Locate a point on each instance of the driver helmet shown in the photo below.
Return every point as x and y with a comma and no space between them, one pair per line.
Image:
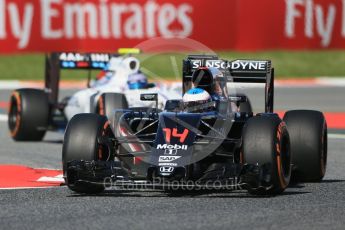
197,100
137,81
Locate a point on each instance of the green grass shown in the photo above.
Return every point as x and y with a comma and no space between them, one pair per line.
287,64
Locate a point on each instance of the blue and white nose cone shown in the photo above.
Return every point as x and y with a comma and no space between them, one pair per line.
196,94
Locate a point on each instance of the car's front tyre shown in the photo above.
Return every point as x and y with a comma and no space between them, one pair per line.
81,143
266,149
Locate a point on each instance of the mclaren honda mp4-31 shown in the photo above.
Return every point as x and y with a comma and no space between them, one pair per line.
218,143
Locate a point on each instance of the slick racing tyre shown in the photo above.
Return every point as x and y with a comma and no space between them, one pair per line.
81,143
109,102
266,155
308,137
28,114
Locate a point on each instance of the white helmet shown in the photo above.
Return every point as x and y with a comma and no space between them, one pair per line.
196,100
196,94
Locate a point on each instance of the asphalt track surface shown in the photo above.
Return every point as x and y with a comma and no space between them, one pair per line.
301,206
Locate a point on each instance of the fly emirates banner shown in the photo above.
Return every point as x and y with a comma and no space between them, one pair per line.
105,25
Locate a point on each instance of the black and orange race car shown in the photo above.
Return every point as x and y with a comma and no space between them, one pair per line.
199,146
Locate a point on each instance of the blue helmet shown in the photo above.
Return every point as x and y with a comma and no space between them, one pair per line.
137,81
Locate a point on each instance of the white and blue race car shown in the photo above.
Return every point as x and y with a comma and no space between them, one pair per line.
119,85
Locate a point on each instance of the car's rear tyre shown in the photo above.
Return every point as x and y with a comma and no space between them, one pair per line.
266,145
81,143
308,136
109,102
28,115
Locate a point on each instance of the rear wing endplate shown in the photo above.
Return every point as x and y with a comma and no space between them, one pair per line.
84,61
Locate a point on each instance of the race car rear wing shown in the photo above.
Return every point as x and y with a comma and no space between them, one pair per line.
55,62
84,61
244,71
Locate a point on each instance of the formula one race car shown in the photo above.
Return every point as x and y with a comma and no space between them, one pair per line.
199,142
118,86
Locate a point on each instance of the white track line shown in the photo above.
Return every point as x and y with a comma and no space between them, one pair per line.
3,117
319,81
10,84
336,136
58,178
